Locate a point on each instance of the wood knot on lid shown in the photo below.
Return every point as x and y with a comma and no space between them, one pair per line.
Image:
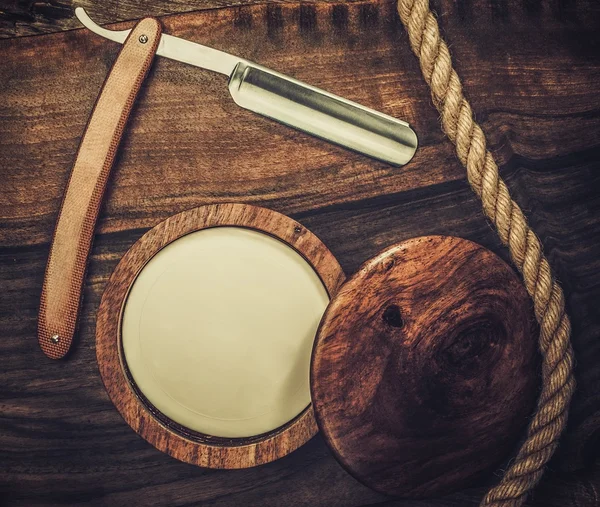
392,316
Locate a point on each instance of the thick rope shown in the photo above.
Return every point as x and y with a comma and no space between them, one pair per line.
525,249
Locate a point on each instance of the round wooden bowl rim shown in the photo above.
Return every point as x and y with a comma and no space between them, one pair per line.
222,453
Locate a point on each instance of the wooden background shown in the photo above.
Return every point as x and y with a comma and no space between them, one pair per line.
531,70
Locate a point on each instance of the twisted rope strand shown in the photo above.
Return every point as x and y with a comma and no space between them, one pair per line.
525,248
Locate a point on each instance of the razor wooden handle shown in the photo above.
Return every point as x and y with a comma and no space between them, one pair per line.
65,272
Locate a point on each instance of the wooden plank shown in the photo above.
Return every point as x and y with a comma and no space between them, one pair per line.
22,18
531,71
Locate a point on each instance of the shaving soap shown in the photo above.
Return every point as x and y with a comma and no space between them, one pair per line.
218,330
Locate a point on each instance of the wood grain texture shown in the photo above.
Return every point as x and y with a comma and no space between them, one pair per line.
30,17
167,436
534,90
424,369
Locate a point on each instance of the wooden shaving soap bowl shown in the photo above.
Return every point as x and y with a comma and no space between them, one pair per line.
422,369
205,331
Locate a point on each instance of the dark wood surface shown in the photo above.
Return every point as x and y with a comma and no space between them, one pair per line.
165,434
425,370
531,70
31,17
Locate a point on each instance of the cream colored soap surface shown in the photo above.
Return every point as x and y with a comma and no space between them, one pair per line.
218,330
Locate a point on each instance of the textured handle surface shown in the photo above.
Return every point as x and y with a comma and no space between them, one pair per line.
65,271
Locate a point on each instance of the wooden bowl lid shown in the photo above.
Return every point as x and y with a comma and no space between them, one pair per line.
149,368
424,368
